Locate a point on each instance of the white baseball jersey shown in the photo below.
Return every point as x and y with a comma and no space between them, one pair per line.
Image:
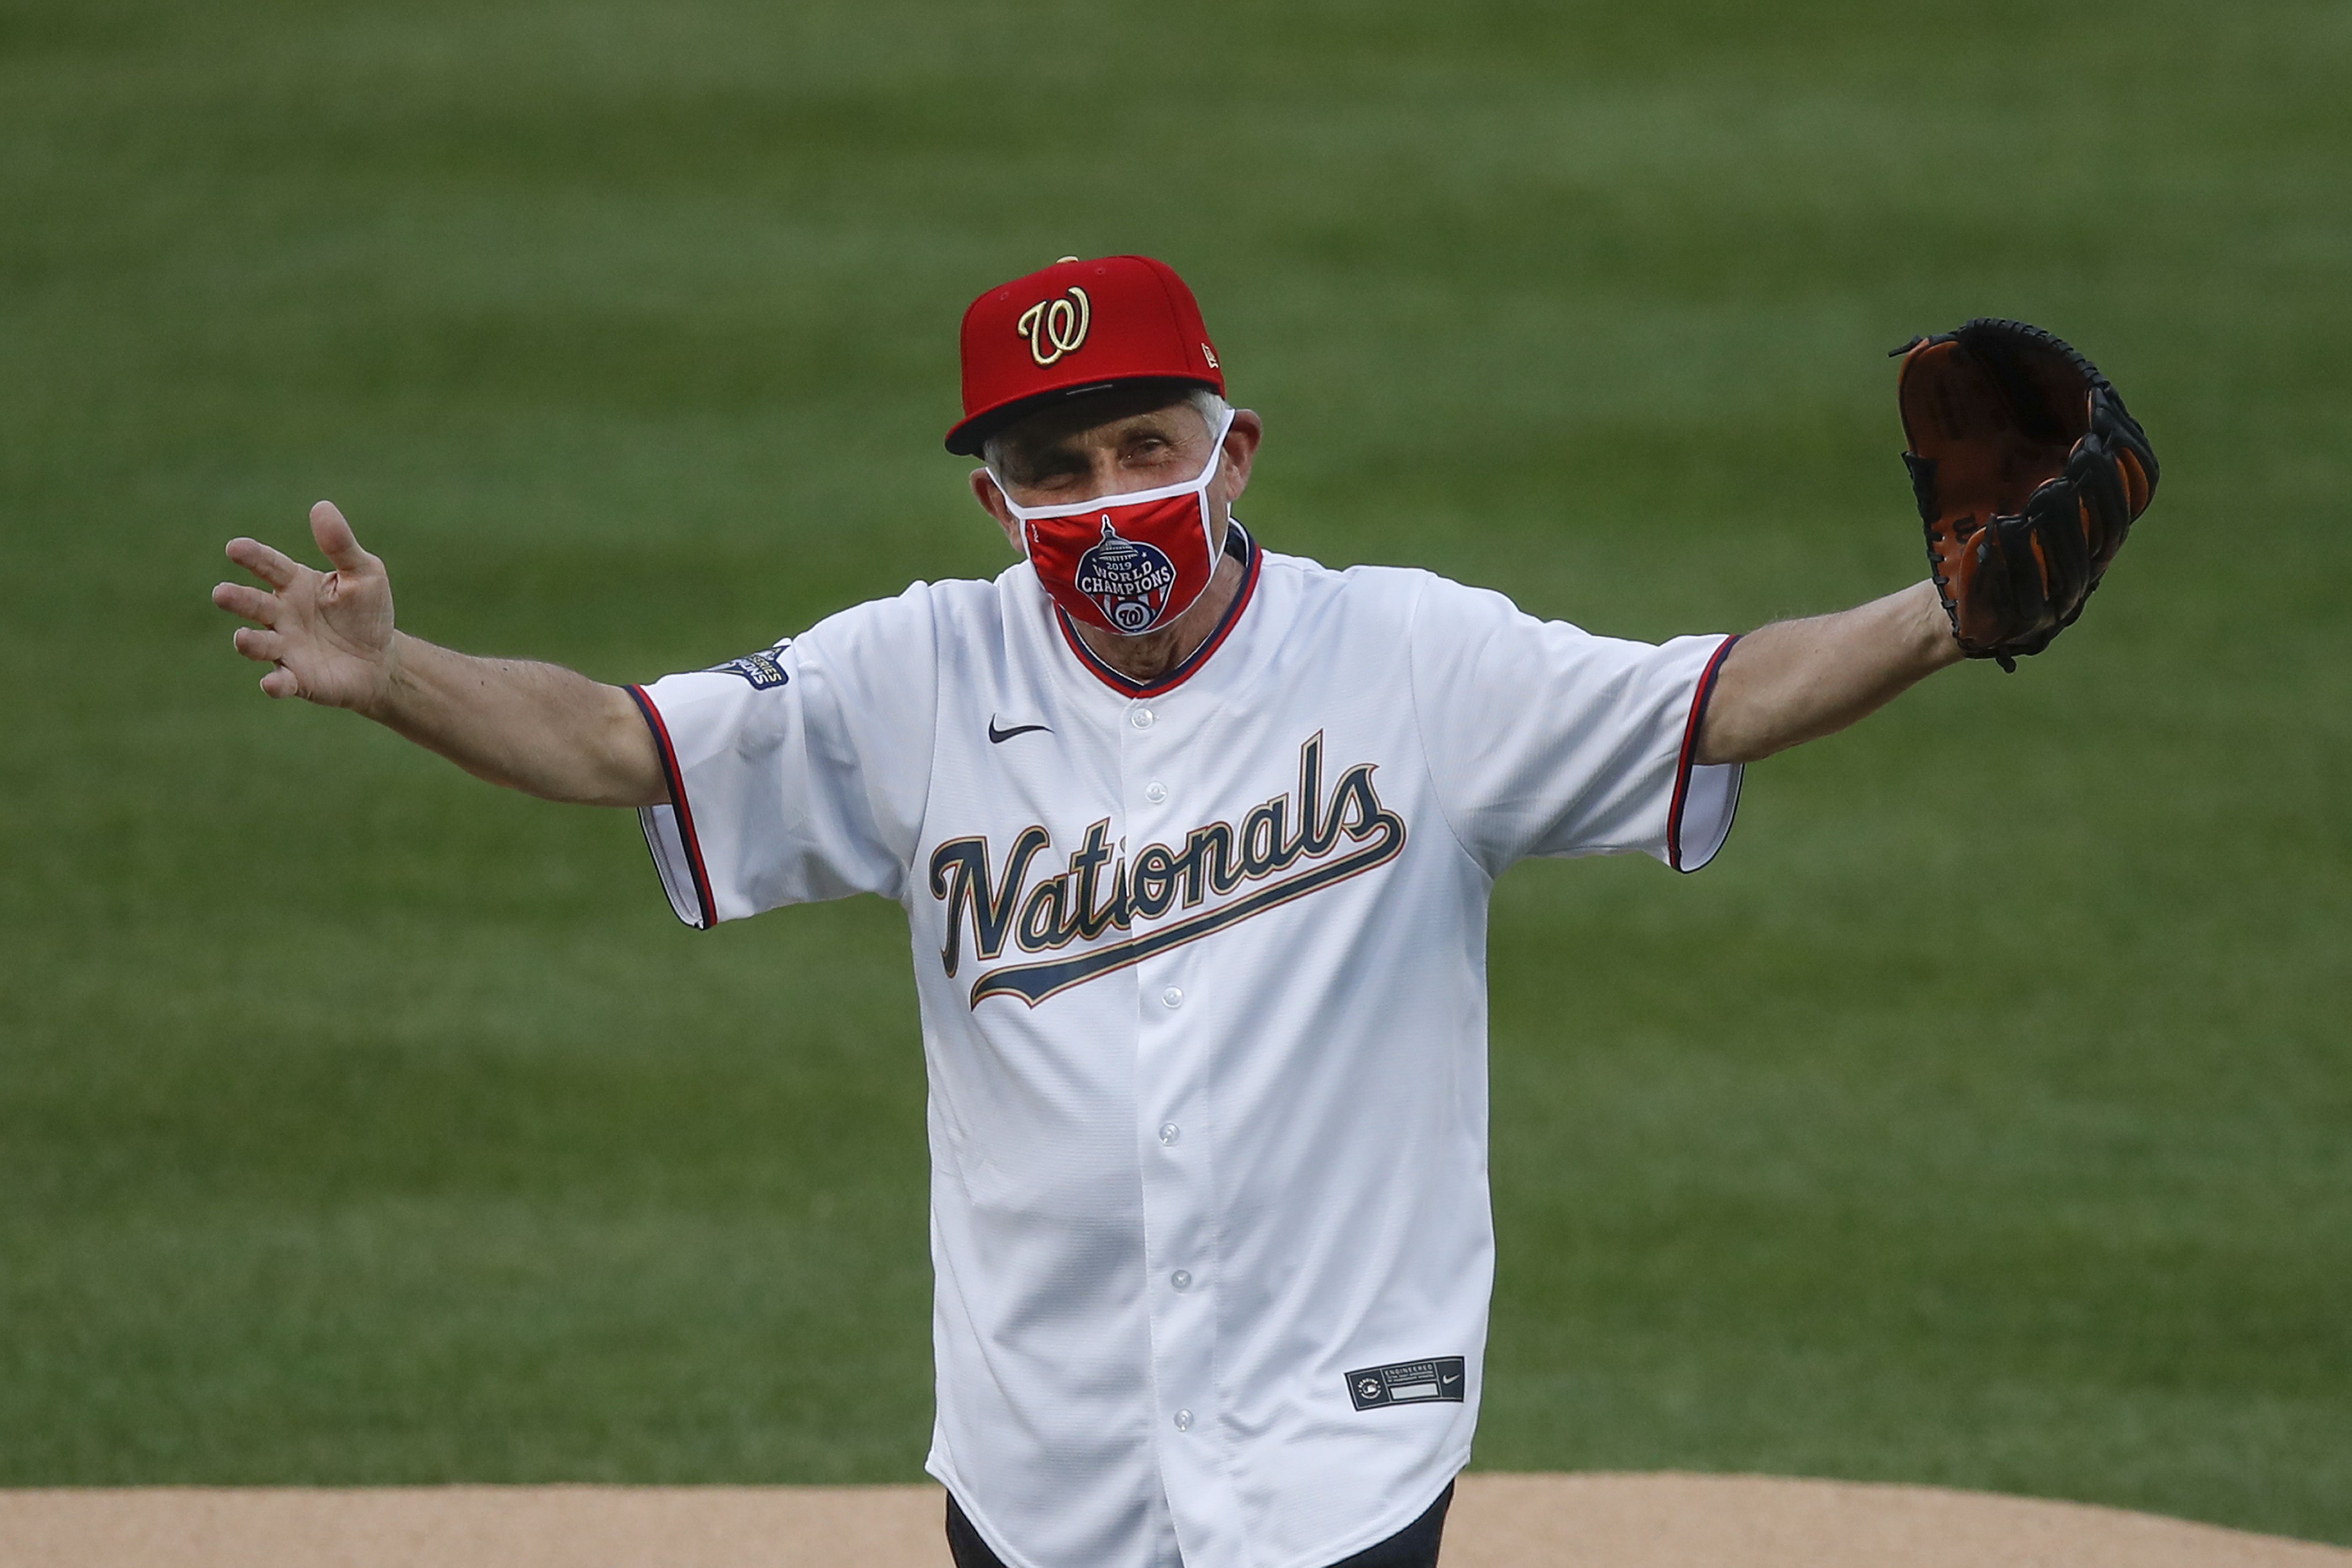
1203,975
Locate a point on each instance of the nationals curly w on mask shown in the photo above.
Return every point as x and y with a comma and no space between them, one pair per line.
1131,563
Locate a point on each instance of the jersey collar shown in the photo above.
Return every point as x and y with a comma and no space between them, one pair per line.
1237,542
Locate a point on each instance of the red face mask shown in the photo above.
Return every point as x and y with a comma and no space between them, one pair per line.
1132,563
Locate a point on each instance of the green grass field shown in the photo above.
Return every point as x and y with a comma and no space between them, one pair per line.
1983,1117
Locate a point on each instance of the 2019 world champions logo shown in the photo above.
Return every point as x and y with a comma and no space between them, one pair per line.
1129,581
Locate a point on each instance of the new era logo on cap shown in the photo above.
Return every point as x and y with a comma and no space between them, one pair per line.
1075,326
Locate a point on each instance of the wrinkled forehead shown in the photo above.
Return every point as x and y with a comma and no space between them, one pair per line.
1106,419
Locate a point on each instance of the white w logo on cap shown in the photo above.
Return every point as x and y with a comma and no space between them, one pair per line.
1059,323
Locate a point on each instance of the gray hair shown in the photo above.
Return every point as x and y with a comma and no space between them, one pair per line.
1199,400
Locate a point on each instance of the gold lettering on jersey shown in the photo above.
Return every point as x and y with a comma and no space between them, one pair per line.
1290,846
1057,325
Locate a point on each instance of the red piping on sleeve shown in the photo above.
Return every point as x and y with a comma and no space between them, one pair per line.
1690,750
677,799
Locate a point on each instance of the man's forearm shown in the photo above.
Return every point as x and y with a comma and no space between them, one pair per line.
540,728
1796,680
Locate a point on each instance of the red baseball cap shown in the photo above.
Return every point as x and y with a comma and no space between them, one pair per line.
1077,327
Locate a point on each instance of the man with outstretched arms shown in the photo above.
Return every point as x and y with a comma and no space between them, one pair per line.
1196,841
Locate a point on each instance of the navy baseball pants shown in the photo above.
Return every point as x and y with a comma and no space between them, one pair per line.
1414,1546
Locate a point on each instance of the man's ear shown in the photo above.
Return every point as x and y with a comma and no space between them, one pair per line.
992,501
1241,450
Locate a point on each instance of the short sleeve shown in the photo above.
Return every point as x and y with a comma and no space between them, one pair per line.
800,772
1544,739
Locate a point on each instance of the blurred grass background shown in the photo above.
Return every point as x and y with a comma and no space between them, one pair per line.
1983,1117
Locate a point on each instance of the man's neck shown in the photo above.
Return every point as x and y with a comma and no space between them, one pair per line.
1147,658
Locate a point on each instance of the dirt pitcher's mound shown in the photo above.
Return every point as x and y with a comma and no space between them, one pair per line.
1498,1521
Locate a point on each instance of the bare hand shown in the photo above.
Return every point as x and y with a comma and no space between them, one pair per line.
327,635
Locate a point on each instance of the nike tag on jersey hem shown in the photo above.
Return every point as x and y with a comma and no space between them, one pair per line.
1408,1383
999,736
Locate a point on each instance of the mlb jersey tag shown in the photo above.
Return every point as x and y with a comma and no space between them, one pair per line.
1407,1382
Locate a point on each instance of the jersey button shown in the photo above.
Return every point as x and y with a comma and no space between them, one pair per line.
1183,1420
1169,1132
1155,791
1173,996
1142,719
1180,1279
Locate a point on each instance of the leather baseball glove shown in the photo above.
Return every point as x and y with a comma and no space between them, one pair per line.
2029,471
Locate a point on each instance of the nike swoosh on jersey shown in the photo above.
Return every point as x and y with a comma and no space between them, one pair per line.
1001,736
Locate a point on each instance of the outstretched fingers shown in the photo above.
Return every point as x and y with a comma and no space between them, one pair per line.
335,538
268,648
249,602
326,636
265,647
273,567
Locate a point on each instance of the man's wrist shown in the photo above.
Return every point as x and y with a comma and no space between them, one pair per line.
392,684
1939,644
